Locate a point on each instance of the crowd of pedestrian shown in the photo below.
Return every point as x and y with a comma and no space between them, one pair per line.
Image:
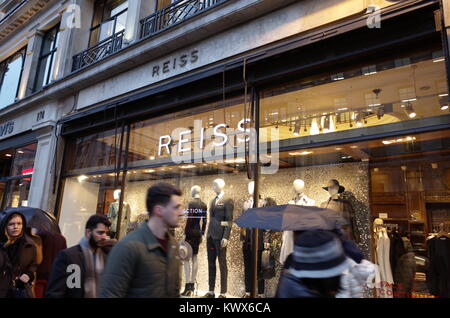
145,262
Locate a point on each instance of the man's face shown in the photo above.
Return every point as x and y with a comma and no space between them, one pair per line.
97,235
15,226
172,212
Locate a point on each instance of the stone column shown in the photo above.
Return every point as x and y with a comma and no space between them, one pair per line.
42,181
137,10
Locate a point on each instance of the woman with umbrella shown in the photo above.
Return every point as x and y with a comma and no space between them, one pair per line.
18,255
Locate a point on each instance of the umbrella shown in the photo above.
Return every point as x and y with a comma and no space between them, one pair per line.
290,218
36,218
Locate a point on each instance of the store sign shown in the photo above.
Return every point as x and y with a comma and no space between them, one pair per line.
183,139
6,128
221,144
175,63
27,172
26,121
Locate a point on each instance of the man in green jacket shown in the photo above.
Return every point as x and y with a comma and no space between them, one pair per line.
145,264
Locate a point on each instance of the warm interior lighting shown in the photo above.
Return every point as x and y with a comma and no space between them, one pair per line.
304,153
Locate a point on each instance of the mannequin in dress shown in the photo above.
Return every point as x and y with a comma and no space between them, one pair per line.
219,228
113,215
197,211
300,198
382,258
338,202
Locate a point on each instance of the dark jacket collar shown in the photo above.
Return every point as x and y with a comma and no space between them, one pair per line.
149,238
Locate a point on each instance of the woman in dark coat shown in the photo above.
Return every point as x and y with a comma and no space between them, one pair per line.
18,255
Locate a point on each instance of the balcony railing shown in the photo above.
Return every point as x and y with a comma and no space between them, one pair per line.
99,51
177,12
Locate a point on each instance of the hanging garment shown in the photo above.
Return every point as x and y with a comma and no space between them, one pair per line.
438,273
113,215
287,246
382,259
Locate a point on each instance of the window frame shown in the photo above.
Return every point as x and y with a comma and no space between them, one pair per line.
42,57
102,21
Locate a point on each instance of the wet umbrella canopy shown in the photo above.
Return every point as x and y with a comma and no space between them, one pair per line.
36,218
290,218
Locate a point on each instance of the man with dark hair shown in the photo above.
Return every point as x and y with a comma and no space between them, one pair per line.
144,264
76,271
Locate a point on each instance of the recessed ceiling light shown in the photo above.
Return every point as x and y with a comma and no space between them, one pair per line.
8,155
20,151
338,149
82,178
187,167
353,147
304,153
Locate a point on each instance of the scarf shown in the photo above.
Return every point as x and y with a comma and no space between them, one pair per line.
95,263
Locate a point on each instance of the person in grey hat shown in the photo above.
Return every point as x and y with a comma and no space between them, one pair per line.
315,267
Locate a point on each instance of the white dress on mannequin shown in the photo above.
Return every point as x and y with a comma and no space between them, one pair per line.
287,246
383,261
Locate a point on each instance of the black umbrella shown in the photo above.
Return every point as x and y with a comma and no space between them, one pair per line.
36,218
290,218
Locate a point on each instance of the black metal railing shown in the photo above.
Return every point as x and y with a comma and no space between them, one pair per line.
101,50
174,14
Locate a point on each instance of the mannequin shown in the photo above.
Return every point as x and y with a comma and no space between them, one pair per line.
197,211
340,204
113,214
382,254
246,238
219,228
300,198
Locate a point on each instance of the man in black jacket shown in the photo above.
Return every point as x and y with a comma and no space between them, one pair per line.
76,271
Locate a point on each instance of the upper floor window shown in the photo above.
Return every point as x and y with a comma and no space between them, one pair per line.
110,17
46,63
10,75
161,4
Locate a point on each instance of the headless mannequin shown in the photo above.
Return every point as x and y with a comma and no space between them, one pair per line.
195,193
382,252
288,236
220,222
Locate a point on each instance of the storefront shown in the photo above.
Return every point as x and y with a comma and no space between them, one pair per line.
370,110
27,149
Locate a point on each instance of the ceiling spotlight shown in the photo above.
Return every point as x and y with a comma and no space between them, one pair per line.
359,119
326,123
297,129
443,101
315,130
410,111
380,112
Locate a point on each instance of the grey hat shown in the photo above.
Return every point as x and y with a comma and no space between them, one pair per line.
318,254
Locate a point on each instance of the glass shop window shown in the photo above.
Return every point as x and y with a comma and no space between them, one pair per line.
94,152
384,94
83,196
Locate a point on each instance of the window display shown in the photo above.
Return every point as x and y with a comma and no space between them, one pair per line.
16,168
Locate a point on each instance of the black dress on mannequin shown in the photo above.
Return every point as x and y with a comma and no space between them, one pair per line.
197,210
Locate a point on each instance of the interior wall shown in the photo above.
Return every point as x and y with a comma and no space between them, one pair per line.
78,204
